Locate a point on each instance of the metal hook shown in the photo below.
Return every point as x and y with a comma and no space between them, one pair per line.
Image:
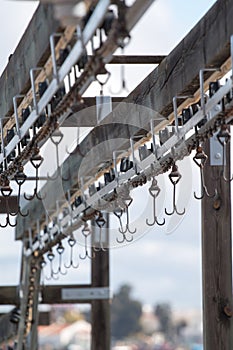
123,86
36,161
118,213
86,232
154,191
42,265
6,192
200,159
100,221
76,148
174,177
127,202
50,257
56,139
20,178
60,250
223,137
102,83
71,242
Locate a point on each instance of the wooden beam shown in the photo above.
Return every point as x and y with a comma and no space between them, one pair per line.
217,259
32,51
206,45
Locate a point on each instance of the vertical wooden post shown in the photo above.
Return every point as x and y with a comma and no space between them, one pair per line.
217,259
101,336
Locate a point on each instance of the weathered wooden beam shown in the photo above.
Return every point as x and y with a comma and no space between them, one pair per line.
32,51
217,258
207,45
50,294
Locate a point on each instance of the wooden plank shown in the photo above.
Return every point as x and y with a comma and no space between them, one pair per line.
217,260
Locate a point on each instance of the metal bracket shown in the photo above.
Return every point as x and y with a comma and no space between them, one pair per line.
103,107
98,293
216,152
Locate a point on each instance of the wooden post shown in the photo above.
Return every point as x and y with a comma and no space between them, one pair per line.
100,308
217,259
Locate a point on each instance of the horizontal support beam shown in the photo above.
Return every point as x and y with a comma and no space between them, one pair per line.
57,294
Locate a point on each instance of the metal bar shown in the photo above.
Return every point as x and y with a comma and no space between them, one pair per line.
53,54
16,113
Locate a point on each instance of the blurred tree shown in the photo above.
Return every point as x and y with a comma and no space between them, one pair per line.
164,313
125,313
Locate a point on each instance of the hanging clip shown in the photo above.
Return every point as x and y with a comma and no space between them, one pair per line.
174,177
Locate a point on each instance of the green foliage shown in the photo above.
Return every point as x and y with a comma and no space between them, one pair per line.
125,313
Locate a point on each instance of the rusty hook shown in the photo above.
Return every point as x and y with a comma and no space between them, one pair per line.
154,191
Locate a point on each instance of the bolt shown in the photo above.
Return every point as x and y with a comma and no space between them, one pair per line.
218,156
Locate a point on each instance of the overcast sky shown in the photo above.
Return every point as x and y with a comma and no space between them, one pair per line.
164,264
